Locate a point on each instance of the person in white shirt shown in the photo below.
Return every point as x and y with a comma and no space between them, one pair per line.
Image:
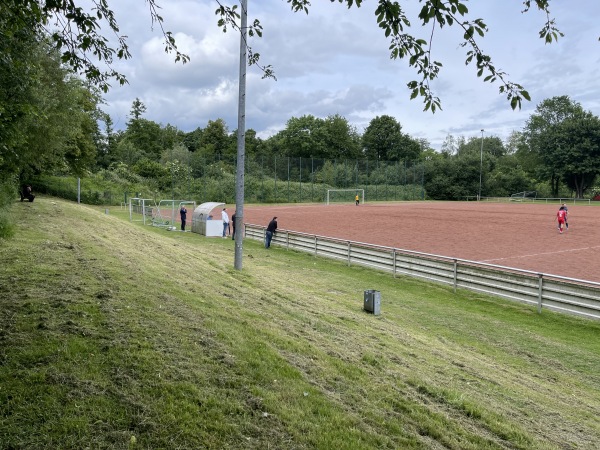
225,218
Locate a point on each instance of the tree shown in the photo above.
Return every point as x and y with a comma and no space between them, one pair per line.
193,139
48,117
253,145
106,154
215,139
303,137
577,151
83,140
565,139
452,177
137,110
342,140
508,177
383,140
492,145
146,136
75,28
451,145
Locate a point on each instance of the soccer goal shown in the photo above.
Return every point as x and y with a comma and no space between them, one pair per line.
167,211
139,209
345,195
520,196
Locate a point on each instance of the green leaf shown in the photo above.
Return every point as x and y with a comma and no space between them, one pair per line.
514,103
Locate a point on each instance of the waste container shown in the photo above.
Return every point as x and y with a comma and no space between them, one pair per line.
373,301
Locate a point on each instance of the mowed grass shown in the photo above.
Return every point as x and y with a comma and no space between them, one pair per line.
119,335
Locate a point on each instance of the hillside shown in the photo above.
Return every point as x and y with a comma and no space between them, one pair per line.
116,335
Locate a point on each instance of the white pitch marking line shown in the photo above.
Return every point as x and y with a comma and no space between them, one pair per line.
541,254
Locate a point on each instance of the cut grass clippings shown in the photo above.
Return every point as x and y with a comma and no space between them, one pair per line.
119,335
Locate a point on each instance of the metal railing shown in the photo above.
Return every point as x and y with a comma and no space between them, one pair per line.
534,200
553,292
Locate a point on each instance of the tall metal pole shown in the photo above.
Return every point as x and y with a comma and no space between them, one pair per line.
241,141
480,166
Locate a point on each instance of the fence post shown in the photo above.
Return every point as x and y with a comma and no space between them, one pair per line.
455,274
349,251
540,291
394,262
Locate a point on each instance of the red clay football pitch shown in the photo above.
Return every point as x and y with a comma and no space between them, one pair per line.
520,235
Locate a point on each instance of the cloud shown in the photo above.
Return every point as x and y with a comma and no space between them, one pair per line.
336,61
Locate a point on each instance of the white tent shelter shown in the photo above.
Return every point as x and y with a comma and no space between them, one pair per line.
203,221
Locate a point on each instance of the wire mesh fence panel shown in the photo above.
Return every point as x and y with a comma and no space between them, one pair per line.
267,179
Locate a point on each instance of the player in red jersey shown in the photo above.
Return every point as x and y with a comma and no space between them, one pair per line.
564,206
561,218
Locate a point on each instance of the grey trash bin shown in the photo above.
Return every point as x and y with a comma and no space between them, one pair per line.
373,301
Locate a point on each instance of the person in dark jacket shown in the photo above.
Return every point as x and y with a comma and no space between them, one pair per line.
233,225
183,214
271,229
26,193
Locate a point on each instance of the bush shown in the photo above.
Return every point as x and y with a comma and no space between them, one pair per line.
8,191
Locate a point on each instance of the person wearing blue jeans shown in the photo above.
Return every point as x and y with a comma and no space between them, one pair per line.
225,218
271,228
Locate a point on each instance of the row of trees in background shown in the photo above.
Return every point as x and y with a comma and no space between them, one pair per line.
557,153
307,137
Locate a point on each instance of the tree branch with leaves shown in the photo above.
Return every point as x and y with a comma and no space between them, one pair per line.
392,19
77,32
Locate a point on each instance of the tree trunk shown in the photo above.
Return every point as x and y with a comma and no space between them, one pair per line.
554,185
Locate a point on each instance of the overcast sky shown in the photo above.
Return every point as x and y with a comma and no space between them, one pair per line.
336,61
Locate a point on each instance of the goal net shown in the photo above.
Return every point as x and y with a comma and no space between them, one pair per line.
140,209
166,213
345,195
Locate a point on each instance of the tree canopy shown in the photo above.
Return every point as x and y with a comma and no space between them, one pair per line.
566,140
383,140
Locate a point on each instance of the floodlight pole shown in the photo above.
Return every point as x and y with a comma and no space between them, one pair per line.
480,166
241,141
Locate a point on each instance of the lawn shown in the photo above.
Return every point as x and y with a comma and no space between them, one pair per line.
119,335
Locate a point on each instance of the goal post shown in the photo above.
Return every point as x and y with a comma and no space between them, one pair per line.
166,212
344,195
141,207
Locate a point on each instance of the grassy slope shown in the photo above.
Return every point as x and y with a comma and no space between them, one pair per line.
115,335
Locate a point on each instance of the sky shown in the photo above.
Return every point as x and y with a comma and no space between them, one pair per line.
336,60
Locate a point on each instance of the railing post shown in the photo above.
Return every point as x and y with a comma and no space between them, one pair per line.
287,238
349,252
315,245
540,291
455,275
394,262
